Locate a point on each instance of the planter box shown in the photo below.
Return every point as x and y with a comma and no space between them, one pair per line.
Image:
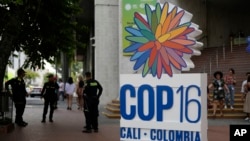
4,129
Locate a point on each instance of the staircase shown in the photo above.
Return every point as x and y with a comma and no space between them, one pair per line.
112,109
221,59
237,112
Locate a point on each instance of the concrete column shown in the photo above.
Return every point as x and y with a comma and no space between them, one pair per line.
106,48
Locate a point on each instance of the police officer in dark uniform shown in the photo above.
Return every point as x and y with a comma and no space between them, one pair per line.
19,94
92,93
49,93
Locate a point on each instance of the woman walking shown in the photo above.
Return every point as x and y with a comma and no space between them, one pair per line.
69,90
79,92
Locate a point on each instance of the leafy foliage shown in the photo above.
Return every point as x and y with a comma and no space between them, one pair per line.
30,75
42,28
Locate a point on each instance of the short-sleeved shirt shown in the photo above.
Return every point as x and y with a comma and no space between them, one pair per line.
229,80
93,88
18,89
61,87
242,86
49,90
70,88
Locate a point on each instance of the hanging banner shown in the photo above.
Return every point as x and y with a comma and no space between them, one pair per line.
128,8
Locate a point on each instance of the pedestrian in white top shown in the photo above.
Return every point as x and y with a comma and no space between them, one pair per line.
61,89
244,92
69,90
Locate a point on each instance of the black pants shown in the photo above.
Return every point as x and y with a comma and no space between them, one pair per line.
20,107
91,113
48,103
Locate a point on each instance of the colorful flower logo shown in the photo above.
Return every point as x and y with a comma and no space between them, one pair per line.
160,40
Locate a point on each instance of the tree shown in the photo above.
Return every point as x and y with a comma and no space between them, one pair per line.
30,75
40,28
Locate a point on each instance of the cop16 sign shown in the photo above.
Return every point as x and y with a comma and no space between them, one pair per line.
160,107
166,109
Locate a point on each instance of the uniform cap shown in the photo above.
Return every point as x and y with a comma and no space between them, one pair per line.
20,71
50,75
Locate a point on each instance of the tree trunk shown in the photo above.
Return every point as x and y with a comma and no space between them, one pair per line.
6,48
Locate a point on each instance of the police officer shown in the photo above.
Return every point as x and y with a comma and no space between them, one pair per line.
49,93
92,93
19,94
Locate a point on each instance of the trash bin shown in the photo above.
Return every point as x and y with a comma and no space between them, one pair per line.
6,109
4,102
6,113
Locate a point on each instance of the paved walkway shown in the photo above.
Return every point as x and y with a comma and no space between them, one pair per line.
68,125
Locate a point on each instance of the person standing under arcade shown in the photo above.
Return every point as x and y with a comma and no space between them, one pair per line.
49,93
19,94
92,93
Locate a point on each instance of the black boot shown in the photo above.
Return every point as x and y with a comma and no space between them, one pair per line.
43,120
50,118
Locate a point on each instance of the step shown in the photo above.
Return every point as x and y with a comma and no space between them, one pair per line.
235,110
114,105
228,116
116,101
112,109
112,115
236,100
236,95
236,105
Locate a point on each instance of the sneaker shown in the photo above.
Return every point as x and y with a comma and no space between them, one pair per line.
43,121
232,107
51,120
247,118
225,107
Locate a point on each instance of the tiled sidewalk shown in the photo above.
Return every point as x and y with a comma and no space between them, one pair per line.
68,125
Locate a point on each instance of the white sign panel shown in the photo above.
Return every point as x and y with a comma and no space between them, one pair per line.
167,109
